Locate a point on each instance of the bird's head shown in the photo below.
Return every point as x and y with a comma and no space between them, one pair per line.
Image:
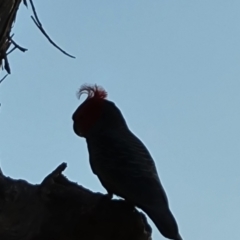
96,113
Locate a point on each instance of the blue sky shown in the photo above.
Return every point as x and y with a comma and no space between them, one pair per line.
172,67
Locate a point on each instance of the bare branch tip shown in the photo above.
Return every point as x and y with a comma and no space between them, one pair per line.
40,27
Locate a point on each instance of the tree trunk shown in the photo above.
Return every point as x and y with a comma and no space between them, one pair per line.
58,209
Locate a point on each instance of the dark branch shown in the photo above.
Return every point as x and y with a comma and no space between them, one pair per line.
40,27
1,80
25,3
10,51
8,10
6,65
17,46
58,209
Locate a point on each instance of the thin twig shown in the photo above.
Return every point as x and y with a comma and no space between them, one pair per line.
6,65
10,51
35,13
40,27
2,81
25,3
17,46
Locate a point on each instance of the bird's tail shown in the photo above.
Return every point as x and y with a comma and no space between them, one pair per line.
164,221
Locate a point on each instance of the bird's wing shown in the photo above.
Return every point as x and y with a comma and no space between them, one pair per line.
126,167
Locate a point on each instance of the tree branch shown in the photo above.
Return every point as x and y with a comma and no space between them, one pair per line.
58,209
40,27
8,12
